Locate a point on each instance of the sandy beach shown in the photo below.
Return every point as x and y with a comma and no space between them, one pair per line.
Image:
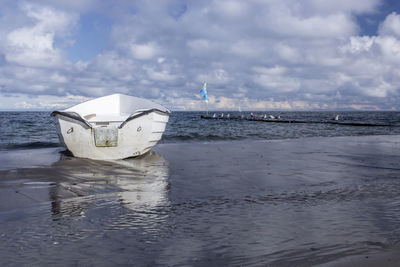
312,201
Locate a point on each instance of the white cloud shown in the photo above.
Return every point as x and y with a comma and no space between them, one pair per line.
145,51
360,44
34,45
357,7
391,25
112,65
276,79
160,75
390,49
231,8
217,76
288,53
246,48
73,5
42,102
199,45
57,78
315,26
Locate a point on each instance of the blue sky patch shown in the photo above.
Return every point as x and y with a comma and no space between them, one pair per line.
92,38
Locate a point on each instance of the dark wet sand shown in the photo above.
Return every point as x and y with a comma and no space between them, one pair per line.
256,179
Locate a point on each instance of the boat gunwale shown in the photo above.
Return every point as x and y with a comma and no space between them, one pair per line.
137,114
72,115
142,113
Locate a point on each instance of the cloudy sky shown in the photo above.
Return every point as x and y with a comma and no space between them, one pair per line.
256,54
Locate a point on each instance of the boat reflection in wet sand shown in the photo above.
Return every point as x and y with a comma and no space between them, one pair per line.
111,127
139,184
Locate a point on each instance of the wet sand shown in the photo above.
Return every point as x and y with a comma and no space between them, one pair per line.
314,201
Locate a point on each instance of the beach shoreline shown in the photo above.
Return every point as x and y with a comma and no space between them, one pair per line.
294,174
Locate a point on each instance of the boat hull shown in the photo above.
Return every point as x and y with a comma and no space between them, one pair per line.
117,140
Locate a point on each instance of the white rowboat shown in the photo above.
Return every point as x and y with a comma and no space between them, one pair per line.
111,127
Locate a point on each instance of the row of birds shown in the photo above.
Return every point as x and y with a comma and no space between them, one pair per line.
264,116
252,116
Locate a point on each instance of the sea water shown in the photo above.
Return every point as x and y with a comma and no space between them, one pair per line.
37,129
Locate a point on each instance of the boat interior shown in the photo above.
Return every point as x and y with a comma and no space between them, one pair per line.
113,108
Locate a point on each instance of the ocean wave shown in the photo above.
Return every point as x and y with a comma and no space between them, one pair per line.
199,137
30,145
